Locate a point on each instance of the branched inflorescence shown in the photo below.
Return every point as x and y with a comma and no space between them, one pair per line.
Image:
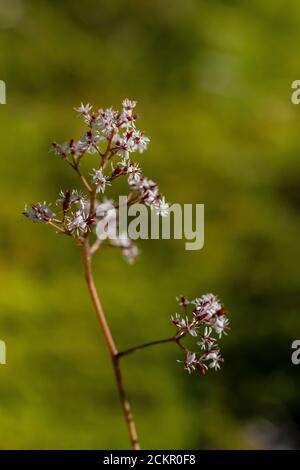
112,138
208,317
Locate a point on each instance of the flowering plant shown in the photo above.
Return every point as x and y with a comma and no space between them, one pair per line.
113,136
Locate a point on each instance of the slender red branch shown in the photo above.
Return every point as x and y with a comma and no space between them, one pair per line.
95,246
146,345
174,339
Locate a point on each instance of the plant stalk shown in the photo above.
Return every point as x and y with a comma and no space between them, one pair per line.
115,357
147,345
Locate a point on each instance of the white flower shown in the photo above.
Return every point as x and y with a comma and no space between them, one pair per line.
83,108
128,104
39,212
77,148
207,340
148,184
77,223
190,362
184,325
134,175
61,149
126,118
134,181
93,120
215,359
207,306
89,140
130,141
124,145
161,207
134,169
182,300
107,120
100,180
67,198
130,253
140,141
180,322
148,190
220,325
77,196
150,197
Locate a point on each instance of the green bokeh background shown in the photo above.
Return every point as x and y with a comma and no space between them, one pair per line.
213,82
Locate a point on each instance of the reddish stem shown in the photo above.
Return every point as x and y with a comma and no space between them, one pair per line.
115,357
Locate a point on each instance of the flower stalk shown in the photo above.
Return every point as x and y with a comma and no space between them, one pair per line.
174,339
81,219
115,357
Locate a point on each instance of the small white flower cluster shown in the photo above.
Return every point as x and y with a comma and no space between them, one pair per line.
110,134
67,198
130,141
208,313
122,138
118,127
76,220
86,144
39,212
100,180
148,190
61,149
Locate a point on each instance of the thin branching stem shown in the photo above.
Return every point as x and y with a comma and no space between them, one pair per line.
92,203
75,166
173,339
106,156
96,245
57,227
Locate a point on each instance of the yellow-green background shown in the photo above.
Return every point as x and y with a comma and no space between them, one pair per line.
213,82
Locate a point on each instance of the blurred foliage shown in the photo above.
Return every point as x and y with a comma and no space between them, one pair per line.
213,83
